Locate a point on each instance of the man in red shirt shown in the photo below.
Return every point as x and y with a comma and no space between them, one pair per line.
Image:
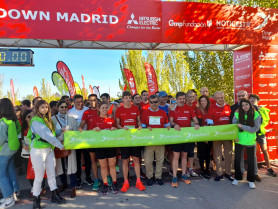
145,103
219,114
128,117
88,119
154,118
181,117
205,91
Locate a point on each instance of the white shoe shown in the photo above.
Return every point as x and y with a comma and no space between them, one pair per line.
252,185
9,202
235,182
192,173
2,200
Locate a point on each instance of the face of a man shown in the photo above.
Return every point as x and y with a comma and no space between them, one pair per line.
181,101
79,104
137,100
127,101
241,95
253,101
220,99
68,101
145,96
190,98
154,104
93,102
105,99
163,100
204,91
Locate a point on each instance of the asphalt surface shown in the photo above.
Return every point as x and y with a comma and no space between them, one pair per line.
200,194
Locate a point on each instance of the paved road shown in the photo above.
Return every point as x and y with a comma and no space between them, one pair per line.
200,194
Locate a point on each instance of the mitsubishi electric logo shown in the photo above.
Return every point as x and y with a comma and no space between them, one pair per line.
132,20
265,18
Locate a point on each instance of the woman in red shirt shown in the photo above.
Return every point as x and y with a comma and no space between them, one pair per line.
204,148
106,156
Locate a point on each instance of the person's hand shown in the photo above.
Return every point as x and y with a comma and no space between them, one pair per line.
150,128
168,127
239,125
26,147
237,140
177,127
97,129
63,148
139,128
113,129
197,127
80,129
125,128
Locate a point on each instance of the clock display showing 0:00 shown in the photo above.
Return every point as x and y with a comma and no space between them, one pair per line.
16,57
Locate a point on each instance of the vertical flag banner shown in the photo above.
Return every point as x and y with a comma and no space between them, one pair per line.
151,78
131,81
35,91
64,71
96,91
91,89
12,91
60,83
77,88
125,88
84,87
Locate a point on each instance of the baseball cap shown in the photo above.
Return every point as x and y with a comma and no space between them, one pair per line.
162,94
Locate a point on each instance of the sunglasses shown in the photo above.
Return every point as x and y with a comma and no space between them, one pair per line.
63,107
153,102
28,116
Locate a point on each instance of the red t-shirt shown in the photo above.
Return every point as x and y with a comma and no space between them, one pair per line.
128,116
89,116
219,115
182,115
154,119
144,106
212,101
102,123
202,116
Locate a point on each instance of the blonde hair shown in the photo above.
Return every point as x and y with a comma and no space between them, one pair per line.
47,117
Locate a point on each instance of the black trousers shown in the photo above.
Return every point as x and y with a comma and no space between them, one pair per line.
203,153
251,154
87,160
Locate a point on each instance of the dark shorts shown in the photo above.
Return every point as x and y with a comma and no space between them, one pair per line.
185,147
103,153
92,150
261,139
126,152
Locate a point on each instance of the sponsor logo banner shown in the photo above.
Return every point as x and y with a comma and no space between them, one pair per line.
145,137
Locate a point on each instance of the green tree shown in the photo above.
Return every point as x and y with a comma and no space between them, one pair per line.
45,92
213,70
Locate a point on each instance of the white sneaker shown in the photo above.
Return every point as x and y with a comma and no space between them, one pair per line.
235,182
192,173
252,185
187,174
2,200
9,202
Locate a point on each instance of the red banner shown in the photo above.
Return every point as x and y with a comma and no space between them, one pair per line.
35,91
91,89
129,21
265,76
151,79
125,88
12,91
64,71
131,81
84,88
243,71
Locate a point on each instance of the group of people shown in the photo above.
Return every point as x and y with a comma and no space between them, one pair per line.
41,129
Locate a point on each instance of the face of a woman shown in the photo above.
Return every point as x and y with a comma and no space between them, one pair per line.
103,109
204,103
17,112
28,117
43,109
63,108
245,106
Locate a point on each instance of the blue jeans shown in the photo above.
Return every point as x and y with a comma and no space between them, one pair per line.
8,182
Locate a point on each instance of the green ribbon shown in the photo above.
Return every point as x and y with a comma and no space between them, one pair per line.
145,137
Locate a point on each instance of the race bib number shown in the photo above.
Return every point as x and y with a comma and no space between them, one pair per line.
154,120
130,127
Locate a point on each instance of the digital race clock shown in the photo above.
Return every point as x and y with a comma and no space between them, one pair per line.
16,57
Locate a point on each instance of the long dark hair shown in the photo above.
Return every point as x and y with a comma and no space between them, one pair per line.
24,125
208,101
7,110
250,114
47,118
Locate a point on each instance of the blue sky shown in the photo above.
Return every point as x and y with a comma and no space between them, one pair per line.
99,68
